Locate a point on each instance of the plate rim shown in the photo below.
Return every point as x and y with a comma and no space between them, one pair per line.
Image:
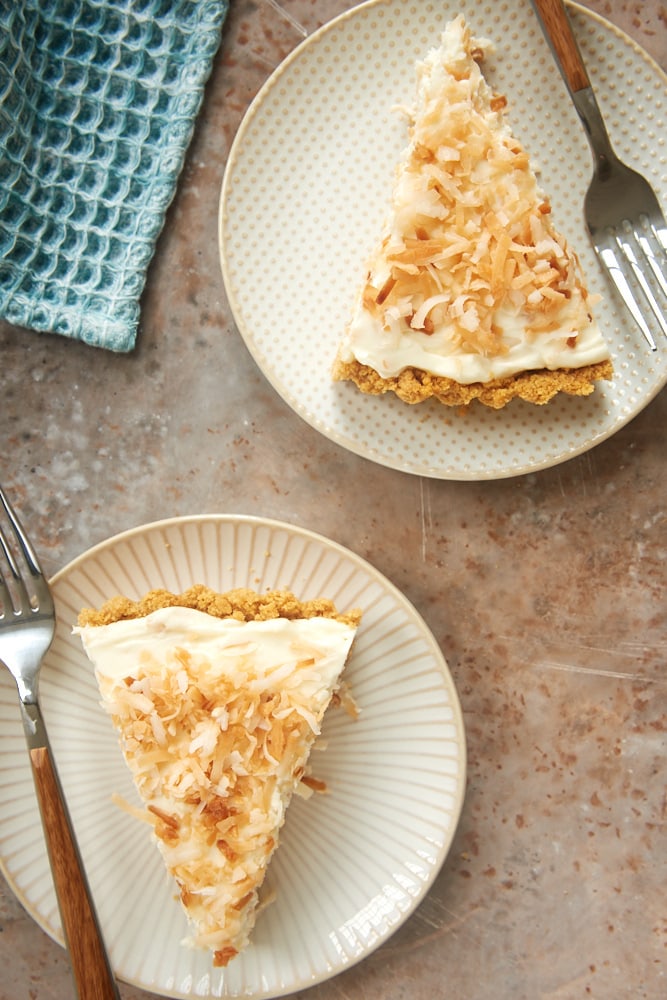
322,426
439,662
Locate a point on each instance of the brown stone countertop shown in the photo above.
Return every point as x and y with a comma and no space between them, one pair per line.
546,593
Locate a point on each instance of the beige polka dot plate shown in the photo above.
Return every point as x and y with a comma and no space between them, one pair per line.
307,186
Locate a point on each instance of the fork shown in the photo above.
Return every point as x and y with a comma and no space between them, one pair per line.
622,213
27,627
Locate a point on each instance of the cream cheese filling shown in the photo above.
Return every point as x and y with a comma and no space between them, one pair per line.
255,653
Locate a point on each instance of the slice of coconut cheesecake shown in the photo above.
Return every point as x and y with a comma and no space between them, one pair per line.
217,699
472,292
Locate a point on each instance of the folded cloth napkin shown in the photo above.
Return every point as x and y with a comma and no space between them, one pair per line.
98,100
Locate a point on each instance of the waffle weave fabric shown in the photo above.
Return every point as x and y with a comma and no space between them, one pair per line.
98,100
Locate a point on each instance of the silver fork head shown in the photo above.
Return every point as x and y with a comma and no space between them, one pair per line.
27,613
631,255
633,247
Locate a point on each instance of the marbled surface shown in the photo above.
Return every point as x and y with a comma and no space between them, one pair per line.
545,592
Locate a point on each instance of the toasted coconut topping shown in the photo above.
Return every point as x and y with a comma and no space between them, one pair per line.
217,714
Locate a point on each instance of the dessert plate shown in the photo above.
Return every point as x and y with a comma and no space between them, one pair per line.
352,865
306,188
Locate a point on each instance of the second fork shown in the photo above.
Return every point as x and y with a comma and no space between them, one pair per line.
622,213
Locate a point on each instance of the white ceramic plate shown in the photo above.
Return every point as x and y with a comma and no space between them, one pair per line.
305,192
352,865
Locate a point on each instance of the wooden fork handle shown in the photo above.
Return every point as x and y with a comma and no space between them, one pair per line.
90,965
558,30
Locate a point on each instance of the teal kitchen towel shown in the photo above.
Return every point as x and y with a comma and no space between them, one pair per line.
98,100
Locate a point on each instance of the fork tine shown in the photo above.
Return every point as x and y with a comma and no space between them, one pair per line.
15,598
29,553
6,604
652,253
659,230
42,594
8,554
625,243
618,276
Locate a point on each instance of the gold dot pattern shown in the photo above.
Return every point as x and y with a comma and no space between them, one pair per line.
307,187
